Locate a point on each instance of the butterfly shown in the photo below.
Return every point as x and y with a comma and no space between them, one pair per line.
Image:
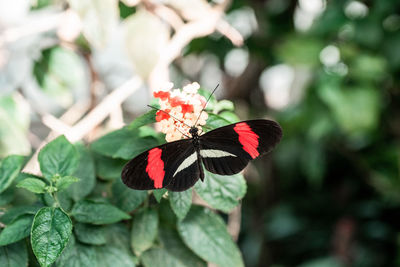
178,165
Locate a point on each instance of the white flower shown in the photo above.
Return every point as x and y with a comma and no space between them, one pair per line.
182,110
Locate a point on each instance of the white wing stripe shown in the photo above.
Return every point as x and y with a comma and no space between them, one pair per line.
186,163
213,153
205,153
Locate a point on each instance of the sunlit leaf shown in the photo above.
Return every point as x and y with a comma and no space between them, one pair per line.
9,169
86,174
99,19
32,184
180,202
205,234
58,157
146,36
14,125
123,143
97,213
222,192
50,233
159,193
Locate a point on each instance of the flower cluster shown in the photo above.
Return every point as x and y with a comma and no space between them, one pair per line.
181,108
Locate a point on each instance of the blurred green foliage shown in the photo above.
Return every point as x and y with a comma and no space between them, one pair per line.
333,196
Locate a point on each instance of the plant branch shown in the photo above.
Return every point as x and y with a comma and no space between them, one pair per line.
234,220
198,26
86,124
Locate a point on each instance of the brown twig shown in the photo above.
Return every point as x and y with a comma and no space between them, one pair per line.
234,220
103,109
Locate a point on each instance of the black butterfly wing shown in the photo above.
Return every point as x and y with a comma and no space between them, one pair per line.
227,150
157,167
187,173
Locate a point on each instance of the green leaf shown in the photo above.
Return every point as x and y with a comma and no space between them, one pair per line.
9,169
21,195
125,198
173,244
180,202
58,157
159,193
97,213
214,121
160,257
369,68
112,256
86,174
90,234
50,233
15,212
355,109
166,215
118,235
144,230
34,185
7,196
205,234
64,200
65,182
108,168
223,105
300,50
123,143
222,192
15,117
229,116
17,230
76,255
14,255
147,118
116,251
61,73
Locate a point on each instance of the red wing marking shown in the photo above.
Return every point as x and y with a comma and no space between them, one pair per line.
247,138
155,167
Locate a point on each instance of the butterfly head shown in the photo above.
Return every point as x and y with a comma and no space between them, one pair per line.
194,131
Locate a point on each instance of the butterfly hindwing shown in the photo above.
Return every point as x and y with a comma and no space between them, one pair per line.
155,168
227,150
186,172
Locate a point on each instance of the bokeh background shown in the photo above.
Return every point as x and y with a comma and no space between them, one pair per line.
328,71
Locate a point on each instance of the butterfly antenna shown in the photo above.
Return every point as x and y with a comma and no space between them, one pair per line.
182,132
169,115
174,118
205,105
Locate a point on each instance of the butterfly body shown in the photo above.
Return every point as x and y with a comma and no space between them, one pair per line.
194,132
178,165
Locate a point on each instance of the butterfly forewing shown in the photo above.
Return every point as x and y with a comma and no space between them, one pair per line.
178,165
227,150
155,168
